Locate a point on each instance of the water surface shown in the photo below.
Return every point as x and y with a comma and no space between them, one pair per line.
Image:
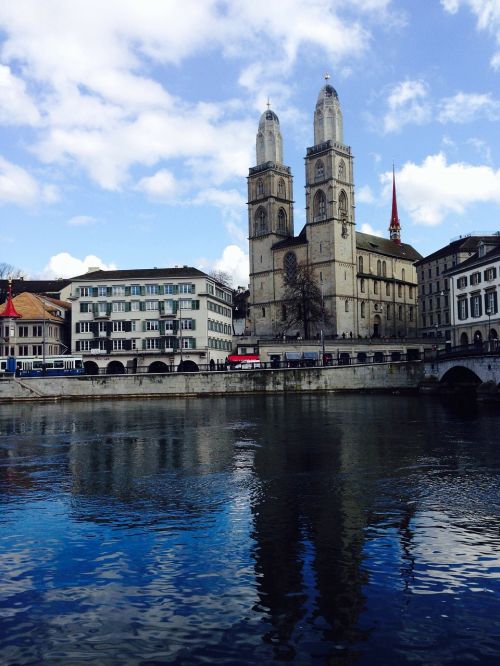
256,530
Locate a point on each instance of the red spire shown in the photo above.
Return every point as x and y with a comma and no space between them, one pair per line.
10,311
394,227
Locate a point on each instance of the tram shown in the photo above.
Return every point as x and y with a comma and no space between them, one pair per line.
34,366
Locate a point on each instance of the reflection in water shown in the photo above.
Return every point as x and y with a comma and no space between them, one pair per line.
310,530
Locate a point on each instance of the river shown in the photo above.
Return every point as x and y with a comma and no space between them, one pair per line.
331,529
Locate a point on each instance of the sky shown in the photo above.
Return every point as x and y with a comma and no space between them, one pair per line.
127,127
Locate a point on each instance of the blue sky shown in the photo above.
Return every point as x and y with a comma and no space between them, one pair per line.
127,127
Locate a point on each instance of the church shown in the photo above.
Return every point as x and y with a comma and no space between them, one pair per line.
368,283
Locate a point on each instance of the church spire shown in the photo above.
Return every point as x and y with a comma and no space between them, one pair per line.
10,311
394,226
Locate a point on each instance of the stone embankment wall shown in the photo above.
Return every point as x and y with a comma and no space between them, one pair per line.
378,377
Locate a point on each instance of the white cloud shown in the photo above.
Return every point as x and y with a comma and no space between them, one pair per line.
464,107
487,13
365,195
16,107
368,229
233,261
17,186
161,186
407,103
64,265
81,220
433,189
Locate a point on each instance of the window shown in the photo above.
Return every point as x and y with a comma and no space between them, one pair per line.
102,308
37,350
400,312
360,264
152,289
186,288
188,324
118,306
260,221
342,204
117,345
462,282
362,309
152,305
475,305
490,274
170,288
185,304
346,306
475,278
410,292
260,187
22,331
375,287
135,290
281,220
384,269
102,290
135,306
319,208
83,345
400,291
462,308
387,289
319,170
85,291
490,303
117,326
152,325
341,169
118,290
379,267
362,285
37,331
152,343
188,343
281,187
23,350
84,327
290,265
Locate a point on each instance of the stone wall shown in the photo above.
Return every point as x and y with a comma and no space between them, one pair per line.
378,377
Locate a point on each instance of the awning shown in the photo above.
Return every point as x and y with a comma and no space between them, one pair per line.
238,358
311,355
293,356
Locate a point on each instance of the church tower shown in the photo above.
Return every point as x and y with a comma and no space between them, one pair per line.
394,225
330,212
270,219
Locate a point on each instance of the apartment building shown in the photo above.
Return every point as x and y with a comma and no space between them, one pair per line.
151,320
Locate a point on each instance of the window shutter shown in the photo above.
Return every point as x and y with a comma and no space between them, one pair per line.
143,325
109,291
143,343
495,303
161,290
142,306
77,291
127,345
77,327
195,305
108,309
175,306
143,290
127,291
480,305
95,309
94,291
127,306
77,346
193,324
162,328
193,289
193,343
176,289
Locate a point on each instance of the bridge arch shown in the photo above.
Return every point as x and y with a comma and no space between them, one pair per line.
459,375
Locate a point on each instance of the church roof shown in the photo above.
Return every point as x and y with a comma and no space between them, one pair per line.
326,92
268,115
385,246
301,239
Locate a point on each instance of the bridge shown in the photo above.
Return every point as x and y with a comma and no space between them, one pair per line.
465,367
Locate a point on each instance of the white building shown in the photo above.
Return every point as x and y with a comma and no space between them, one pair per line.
475,285
149,319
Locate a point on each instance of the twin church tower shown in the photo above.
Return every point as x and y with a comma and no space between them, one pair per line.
357,273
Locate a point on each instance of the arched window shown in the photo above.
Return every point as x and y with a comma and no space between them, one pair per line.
342,203
362,285
403,274
281,187
362,308
319,170
384,268
290,265
281,220
346,306
389,311
400,313
375,287
360,264
341,169
319,204
388,289
379,267
260,221
260,187
400,291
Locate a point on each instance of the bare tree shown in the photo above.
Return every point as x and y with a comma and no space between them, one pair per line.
303,300
221,276
7,270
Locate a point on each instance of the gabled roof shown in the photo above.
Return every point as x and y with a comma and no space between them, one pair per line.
385,246
467,244
142,274
475,260
30,306
52,287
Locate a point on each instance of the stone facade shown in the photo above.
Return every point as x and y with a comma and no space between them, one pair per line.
368,283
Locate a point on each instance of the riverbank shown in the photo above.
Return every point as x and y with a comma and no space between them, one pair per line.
371,377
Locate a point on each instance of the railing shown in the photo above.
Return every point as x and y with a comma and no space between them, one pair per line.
480,348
